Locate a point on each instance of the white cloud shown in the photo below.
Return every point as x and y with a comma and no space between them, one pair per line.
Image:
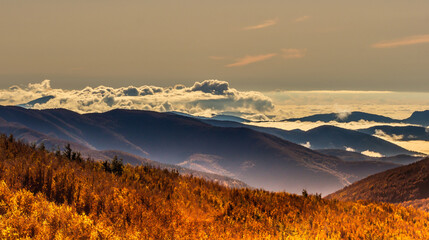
380,133
307,144
343,115
372,154
203,98
215,87
349,149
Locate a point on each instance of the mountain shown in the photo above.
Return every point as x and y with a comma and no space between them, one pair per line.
401,159
403,133
344,117
33,137
219,117
41,100
419,117
45,195
408,183
259,159
224,117
327,137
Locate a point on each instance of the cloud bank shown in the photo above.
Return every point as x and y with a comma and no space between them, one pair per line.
203,98
372,154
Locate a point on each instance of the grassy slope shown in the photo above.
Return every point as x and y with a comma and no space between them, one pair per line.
43,195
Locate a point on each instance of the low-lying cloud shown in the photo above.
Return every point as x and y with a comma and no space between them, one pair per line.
349,149
372,154
202,98
343,115
381,134
307,144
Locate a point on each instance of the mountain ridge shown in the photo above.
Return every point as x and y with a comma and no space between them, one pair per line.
258,159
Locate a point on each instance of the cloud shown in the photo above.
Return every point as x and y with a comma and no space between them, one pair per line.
305,126
372,154
343,115
202,98
291,53
211,86
302,19
381,134
349,149
307,144
251,59
411,40
265,24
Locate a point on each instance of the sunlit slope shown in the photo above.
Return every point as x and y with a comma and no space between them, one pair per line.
403,184
44,195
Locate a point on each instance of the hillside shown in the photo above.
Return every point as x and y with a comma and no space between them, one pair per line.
326,137
51,196
402,184
260,160
33,137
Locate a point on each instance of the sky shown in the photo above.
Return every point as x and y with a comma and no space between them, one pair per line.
264,46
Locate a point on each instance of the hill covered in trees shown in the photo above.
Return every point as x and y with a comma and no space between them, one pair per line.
59,195
407,184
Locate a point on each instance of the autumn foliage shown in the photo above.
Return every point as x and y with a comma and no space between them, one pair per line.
46,195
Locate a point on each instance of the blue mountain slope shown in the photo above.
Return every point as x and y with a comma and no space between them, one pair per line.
259,159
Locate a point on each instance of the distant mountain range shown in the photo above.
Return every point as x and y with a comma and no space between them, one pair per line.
418,117
407,184
344,117
41,100
327,137
403,133
219,117
25,134
401,159
258,159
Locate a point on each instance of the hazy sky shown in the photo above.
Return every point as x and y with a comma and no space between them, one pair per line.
252,44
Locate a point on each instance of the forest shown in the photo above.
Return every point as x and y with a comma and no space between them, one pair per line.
60,195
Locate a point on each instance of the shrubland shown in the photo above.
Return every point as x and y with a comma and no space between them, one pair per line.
53,195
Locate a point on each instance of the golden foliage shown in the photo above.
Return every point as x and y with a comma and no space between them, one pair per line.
48,196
